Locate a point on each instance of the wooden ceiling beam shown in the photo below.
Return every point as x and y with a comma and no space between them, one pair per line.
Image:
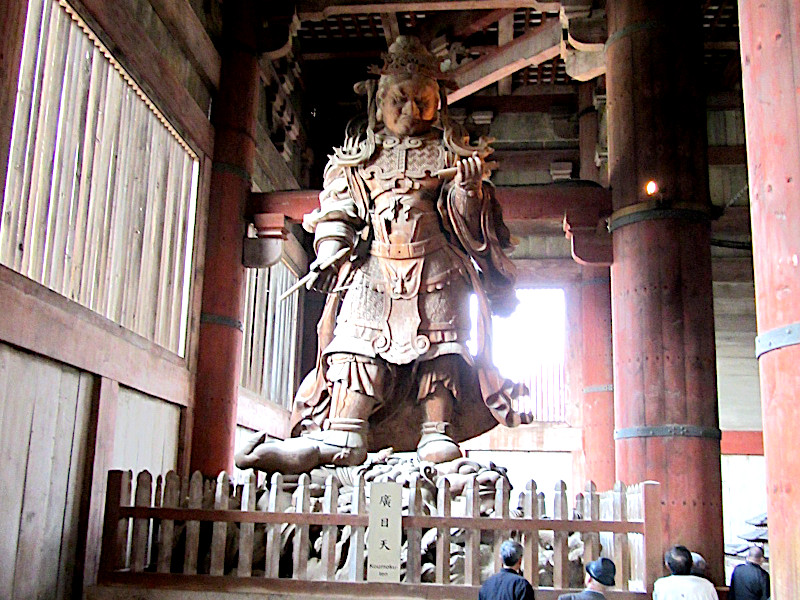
534,160
505,35
535,47
318,10
727,155
523,203
190,33
539,99
467,29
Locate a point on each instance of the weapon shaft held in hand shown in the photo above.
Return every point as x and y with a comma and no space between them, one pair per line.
450,172
312,275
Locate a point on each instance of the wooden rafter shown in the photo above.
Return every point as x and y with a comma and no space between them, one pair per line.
505,34
535,47
316,10
482,22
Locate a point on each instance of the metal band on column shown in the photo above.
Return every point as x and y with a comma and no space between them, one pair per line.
780,337
646,431
659,209
598,388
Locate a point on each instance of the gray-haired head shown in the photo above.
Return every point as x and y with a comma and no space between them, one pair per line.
698,564
511,552
755,555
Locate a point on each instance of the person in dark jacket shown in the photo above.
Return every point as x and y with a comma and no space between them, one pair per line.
750,581
600,574
508,583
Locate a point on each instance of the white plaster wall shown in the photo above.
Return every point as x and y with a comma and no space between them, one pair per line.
744,494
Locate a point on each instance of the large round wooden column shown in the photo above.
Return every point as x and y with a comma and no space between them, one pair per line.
598,389
219,360
770,46
665,396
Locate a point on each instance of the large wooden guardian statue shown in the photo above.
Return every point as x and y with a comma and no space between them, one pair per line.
408,227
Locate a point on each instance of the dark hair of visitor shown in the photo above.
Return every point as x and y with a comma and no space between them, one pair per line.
511,552
679,560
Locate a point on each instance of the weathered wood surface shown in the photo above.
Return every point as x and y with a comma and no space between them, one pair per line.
44,421
37,319
157,586
149,67
239,520
100,190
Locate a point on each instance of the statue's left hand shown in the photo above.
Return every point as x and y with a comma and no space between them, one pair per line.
469,173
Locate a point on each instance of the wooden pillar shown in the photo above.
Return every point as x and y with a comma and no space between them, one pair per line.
597,367
12,31
665,396
770,46
587,132
219,352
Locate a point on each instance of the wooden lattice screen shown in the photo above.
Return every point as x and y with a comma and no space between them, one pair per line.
271,327
99,201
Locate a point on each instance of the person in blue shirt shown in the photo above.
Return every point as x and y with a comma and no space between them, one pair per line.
508,583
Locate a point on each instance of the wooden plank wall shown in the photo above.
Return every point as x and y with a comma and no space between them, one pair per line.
156,452
44,416
63,413
100,195
78,393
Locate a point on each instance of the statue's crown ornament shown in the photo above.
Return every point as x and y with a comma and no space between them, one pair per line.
407,55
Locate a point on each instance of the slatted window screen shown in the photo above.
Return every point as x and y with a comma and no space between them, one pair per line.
528,347
100,196
271,333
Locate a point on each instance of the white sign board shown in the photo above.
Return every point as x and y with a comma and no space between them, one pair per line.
385,532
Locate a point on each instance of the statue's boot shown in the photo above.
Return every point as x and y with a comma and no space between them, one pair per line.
435,445
342,443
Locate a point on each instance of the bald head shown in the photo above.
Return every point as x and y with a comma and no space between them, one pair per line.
755,555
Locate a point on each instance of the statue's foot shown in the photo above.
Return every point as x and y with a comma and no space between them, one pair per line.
340,448
290,457
435,445
342,444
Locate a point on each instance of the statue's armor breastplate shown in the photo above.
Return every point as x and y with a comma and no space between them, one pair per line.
404,189
408,300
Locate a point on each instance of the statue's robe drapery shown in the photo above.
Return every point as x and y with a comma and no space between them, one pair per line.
476,252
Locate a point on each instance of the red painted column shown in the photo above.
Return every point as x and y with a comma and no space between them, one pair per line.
598,389
597,367
770,46
665,396
587,132
219,353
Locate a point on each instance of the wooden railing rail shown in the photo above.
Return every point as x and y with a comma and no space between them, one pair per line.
145,538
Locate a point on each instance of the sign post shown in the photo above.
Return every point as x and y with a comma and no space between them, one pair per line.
385,532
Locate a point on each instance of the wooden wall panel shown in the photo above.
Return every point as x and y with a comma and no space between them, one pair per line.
146,433
44,419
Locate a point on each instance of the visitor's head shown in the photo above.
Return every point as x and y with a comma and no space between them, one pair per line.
602,571
408,90
511,553
698,565
755,555
679,560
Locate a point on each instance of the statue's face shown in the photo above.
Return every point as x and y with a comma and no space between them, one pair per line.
409,107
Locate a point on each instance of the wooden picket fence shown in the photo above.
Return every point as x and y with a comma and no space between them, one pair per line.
139,538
